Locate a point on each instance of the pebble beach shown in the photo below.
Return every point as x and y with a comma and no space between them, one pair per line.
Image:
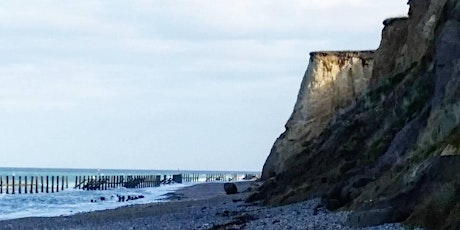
202,206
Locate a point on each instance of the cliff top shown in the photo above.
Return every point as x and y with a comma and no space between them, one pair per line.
368,54
390,21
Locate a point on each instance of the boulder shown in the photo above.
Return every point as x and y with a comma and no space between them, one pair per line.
230,188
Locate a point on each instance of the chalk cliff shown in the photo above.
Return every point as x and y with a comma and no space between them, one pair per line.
388,144
333,81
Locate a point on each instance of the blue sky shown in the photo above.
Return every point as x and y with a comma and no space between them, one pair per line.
177,84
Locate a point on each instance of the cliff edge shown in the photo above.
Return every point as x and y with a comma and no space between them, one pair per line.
379,132
333,81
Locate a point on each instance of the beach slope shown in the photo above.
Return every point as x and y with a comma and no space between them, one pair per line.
202,206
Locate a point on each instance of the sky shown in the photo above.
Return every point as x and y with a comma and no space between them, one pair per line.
176,84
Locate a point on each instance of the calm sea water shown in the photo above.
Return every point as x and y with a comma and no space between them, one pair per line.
71,201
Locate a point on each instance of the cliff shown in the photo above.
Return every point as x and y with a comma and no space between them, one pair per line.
389,149
333,81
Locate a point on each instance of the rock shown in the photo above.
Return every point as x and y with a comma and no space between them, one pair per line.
362,181
230,188
375,217
333,81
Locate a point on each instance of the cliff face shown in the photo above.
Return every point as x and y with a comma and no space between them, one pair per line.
395,148
333,81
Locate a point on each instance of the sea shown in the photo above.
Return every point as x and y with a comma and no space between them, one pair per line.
73,200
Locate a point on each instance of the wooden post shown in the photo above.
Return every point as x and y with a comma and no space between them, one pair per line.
25,184
19,189
13,185
7,185
32,184
41,180
57,183
36,184
62,186
52,184
1,184
47,183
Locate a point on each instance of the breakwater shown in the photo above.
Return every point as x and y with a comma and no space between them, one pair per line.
54,184
33,184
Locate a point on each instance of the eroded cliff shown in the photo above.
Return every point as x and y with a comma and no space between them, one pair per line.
332,82
393,153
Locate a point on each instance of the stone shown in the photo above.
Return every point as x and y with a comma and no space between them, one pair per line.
367,218
230,188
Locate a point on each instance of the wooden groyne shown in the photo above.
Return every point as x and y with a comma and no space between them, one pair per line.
54,184
132,181
108,182
33,184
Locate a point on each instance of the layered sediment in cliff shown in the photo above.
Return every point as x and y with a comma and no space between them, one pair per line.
393,153
333,81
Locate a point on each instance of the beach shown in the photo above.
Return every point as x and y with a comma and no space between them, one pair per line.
201,206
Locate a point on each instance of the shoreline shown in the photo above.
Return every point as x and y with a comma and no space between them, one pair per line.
201,206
